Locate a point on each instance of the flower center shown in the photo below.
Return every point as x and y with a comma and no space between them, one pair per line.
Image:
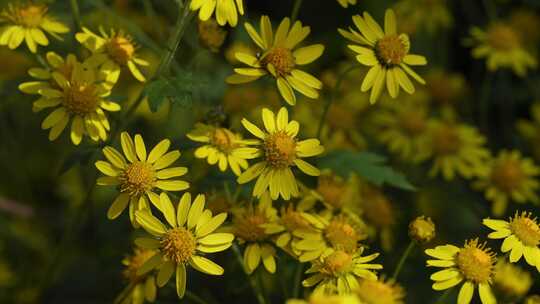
336,263
377,292
342,235
80,99
413,122
281,59
223,139
279,149
526,229
331,188
29,15
476,262
446,140
178,245
137,178
120,49
507,175
503,37
391,49
248,227
293,220
135,262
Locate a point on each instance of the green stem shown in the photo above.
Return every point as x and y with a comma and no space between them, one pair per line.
340,79
402,260
76,13
252,281
295,10
195,298
124,294
297,280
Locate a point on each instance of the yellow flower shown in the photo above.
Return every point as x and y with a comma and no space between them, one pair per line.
226,10
279,58
402,127
143,287
510,177
379,214
337,271
112,51
521,236
445,89
280,151
28,22
511,280
473,263
386,53
327,232
530,130
139,175
77,94
428,15
248,227
456,149
502,47
527,24
422,229
221,147
187,235
322,298
211,34
379,292
345,3
335,192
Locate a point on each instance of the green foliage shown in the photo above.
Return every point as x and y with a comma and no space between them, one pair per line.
367,165
178,89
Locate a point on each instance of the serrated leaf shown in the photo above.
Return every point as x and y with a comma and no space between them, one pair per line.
370,166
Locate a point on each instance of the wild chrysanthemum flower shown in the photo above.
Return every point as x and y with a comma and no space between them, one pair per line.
220,147
511,281
211,34
510,177
428,15
290,219
111,52
473,263
530,129
248,227
326,232
444,88
502,47
280,150
226,10
320,298
422,229
337,271
77,95
279,57
138,175
386,52
346,3
143,287
402,127
27,22
456,149
335,192
521,236
379,292
188,234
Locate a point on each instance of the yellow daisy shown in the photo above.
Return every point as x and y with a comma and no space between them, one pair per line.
521,236
320,298
76,93
379,292
226,10
510,177
326,232
220,147
512,281
472,264
424,15
379,213
502,47
530,129
386,53
27,22
111,52
346,3
337,271
141,287
335,192
280,150
188,234
138,175
279,57
446,89
248,227
211,35
456,149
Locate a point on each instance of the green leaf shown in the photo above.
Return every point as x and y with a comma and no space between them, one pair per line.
368,165
178,89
